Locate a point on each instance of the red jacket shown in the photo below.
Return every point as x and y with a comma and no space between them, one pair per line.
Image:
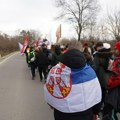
114,80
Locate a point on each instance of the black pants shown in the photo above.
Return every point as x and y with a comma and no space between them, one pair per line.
42,69
32,65
85,115
103,94
109,113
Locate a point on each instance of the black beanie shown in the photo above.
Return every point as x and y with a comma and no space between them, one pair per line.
74,59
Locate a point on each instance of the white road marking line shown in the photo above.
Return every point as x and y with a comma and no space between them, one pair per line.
8,58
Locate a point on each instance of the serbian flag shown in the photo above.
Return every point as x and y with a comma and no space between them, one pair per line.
58,33
25,44
72,90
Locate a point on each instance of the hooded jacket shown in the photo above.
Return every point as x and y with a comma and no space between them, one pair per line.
100,63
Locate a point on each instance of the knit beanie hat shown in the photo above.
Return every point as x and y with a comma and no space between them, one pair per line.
74,59
117,46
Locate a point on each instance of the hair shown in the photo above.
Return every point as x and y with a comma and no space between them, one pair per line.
99,44
57,49
74,44
86,50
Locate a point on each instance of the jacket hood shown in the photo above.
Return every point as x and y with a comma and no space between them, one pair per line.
104,53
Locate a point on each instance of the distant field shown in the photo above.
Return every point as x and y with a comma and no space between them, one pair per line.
4,53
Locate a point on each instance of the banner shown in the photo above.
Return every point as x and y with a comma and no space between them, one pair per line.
58,33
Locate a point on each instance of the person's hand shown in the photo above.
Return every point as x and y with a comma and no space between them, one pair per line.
95,117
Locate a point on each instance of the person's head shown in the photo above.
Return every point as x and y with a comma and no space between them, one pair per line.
86,50
74,44
85,44
98,46
92,43
57,49
37,49
44,45
31,49
74,59
52,48
117,49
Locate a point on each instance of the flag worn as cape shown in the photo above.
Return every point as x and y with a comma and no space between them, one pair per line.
72,90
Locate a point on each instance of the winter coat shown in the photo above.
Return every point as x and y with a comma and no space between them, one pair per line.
99,66
42,60
72,88
55,59
114,79
113,96
31,57
56,56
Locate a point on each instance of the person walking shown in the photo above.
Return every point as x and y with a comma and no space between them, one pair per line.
56,55
42,63
27,50
101,60
31,62
72,88
112,105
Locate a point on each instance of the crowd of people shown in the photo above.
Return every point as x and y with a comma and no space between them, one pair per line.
82,80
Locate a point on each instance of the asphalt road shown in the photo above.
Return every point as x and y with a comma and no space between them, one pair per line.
21,98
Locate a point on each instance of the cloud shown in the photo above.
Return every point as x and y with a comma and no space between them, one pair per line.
35,14
21,14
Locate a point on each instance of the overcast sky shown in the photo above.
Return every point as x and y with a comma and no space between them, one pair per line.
36,14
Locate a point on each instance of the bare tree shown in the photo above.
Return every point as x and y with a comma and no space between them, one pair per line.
91,27
113,20
78,12
33,35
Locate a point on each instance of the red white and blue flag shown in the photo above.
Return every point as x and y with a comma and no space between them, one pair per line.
72,90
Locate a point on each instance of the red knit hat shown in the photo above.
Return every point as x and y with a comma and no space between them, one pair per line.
117,46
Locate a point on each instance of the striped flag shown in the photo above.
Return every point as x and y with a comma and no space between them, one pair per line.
25,44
